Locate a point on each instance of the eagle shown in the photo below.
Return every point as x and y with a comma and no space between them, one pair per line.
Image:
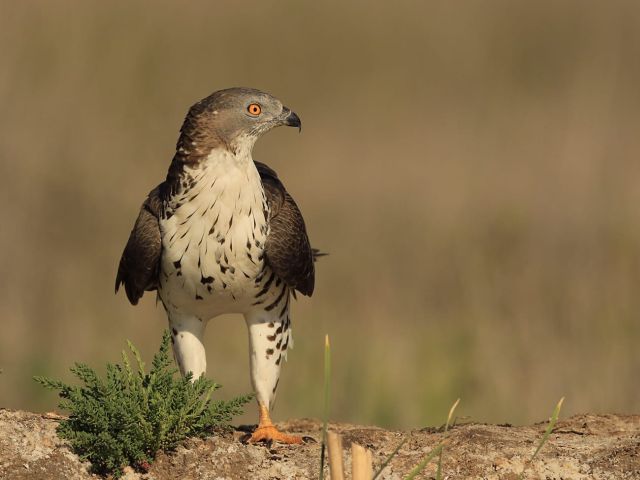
222,235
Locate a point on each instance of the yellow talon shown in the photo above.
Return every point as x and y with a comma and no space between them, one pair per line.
268,433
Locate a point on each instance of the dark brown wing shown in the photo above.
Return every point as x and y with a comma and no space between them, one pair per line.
287,249
140,261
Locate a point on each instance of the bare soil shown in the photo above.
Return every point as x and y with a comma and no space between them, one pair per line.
581,447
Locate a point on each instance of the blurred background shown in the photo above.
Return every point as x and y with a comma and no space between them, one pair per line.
472,167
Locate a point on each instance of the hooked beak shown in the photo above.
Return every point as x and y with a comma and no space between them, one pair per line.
290,119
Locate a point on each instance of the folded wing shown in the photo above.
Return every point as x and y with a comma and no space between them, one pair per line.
140,261
287,248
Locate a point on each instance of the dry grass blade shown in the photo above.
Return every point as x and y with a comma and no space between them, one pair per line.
389,458
336,467
545,437
451,412
420,466
361,463
446,429
327,381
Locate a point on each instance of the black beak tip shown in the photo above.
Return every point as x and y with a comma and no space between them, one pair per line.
292,120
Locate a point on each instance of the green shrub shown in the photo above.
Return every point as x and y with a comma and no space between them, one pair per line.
125,418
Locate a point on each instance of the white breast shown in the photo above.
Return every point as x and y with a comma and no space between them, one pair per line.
213,243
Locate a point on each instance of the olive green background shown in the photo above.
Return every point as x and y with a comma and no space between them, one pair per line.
471,166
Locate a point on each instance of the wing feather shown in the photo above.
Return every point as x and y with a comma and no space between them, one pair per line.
287,248
140,261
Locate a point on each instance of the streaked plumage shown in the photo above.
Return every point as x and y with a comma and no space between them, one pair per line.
222,235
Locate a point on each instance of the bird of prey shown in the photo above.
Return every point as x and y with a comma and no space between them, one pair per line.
222,235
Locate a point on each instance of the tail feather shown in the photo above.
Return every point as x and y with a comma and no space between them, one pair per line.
317,254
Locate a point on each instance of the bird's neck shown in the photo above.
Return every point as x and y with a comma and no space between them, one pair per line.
230,170
224,161
228,163
242,149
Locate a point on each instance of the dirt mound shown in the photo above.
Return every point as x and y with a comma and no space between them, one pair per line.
581,447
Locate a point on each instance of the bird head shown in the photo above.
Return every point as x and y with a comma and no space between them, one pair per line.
235,118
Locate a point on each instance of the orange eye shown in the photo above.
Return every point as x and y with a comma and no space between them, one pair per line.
254,109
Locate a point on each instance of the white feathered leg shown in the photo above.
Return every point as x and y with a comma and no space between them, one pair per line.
187,334
269,334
